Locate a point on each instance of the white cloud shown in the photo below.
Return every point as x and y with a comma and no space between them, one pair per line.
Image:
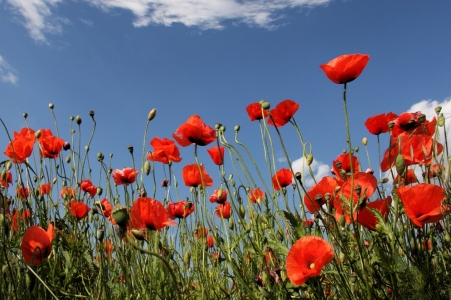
7,72
87,22
319,170
427,107
39,16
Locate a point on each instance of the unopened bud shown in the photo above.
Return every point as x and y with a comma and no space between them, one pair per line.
51,106
152,114
265,105
237,128
309,159
99,191
441,120
78,120
91,113
100,234
146,167
25,115
130,149
400,164
438,109
37,134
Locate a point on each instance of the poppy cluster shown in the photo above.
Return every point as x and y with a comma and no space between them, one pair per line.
279,116
87,187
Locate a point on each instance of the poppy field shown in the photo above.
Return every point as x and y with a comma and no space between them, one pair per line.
72,226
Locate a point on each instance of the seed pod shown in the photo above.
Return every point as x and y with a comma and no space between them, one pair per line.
265,105
400,164
146,167
120,214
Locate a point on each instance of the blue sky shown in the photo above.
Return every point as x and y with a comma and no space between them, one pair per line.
122,58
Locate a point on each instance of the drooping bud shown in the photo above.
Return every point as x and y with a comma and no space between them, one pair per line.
146,167
99,191
242,211
438,109
152,114
356,149
130,149
298,176
441,120
138,234
400,164
91,113
237,128
120,214
384,180
309,159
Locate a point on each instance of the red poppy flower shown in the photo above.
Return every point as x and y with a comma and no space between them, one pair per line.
282,179
210,242
413,123
165,150
107,210
254,111
87,187
307,257
343,162
18,217
217,155
366,217
192,176
149,213
180,209
409,178
436,171
7,180
124,176
194,131
316,195
78,209
201,232
37,244
423,203
25,133
50,145
18,150
219,196
308,223
45,189
256,195
67,192
365,185
283,112
379,124
224,210
420,145
22,192
345,68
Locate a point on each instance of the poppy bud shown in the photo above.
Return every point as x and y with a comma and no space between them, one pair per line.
25,115
99,191
441,120
438,109
91,113
298,176
242,211
100,234
384,180
342,257
152,114
237,128
51,106
222,128
265,105
78,120
352,277
364,141
66,146
400,164
68,159
138,234
356,149
120,214
8,165
187,257
37,134
130,149
309,159
231,224
146,167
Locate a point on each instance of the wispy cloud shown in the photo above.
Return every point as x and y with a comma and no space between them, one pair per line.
319,170
87,22
39,18
7,73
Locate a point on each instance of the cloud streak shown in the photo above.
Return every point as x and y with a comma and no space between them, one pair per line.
39,19
7,72
319,170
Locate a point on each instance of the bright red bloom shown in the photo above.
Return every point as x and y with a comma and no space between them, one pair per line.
345,68
283,112
316,195
37,244
379,124
219,196
254,111
50,145
282,179
18,217
365,185
192,176
307,257
45,189
217,155
420,145
78,209
149,213
366,217
210,242
423,203
165,150
67,192
409,178
106,210
343,161
180,209
256,195
413,123
5,182
124,176
194,131
22,192
224,210
19,150
25,133
87,187
436,171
